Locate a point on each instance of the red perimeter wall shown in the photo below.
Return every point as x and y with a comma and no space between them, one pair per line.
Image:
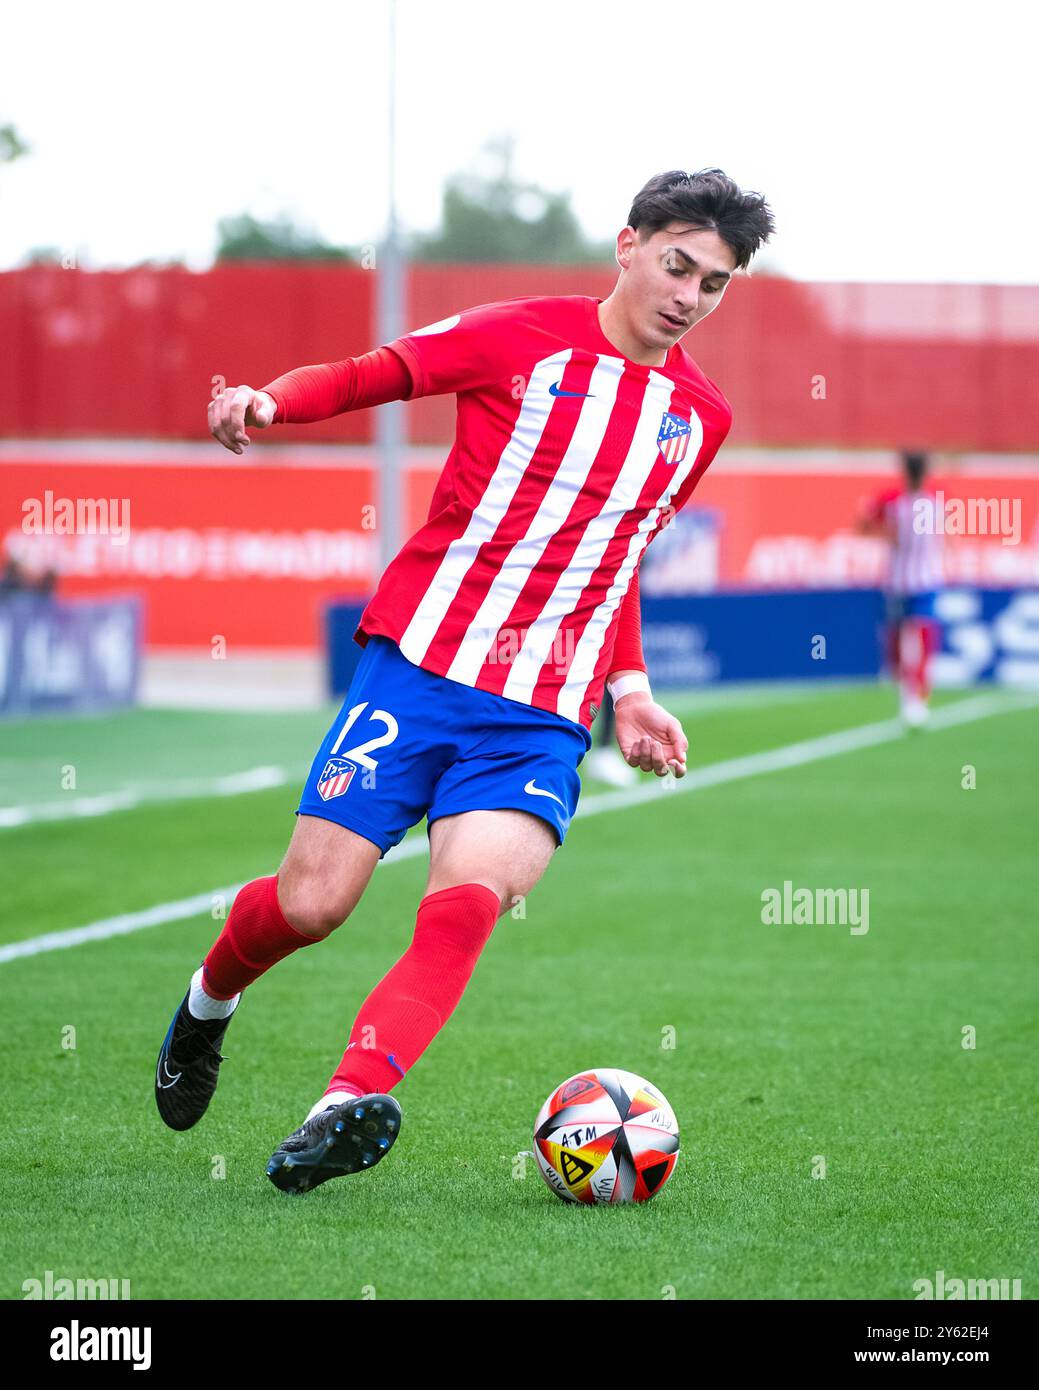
133,353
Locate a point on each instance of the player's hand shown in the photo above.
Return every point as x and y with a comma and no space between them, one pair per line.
234,409
649,737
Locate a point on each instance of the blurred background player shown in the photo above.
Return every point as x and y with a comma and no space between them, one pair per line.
17,578
905,517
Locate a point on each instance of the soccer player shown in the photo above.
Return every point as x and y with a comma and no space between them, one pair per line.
582,426
905,517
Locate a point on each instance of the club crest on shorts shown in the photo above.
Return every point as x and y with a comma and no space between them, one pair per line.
673,439
335,779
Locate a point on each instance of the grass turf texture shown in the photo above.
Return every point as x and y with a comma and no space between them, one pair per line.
790,1041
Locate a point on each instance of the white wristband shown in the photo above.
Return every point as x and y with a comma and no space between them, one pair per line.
628,685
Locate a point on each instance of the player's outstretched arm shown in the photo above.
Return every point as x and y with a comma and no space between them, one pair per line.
235,409
873,518
307,394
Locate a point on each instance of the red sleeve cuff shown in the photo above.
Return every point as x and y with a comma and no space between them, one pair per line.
416,376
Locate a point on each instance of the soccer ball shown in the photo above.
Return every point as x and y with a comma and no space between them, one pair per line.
606,1136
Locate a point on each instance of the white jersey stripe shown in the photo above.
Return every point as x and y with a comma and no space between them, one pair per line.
640,461
487,515
916,560
582,668
551,514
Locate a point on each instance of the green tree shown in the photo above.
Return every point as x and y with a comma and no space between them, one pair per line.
496,217
43,255
12,146
246,238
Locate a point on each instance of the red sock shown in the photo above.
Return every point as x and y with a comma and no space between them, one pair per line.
255,937
931,635
919,641
409,1006
894,650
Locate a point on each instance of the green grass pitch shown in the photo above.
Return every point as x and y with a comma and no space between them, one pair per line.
790,1043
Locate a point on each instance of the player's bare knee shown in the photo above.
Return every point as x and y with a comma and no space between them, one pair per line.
307,905
511,892
323,876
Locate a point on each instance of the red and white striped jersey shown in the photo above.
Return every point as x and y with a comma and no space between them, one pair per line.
568,459
915,565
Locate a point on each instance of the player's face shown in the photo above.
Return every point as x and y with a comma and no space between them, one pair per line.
673,280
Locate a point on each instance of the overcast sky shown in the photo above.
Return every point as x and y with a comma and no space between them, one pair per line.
895,141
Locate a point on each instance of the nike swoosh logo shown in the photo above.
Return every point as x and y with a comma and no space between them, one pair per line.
165,1085
555,391
531,790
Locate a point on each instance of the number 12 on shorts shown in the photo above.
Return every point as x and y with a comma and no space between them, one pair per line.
359,753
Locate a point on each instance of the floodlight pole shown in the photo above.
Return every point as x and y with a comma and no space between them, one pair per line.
390,277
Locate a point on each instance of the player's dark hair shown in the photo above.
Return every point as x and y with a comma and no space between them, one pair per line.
708,198
914,465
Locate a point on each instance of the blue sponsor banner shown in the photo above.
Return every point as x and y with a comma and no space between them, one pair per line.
702,638
60,657
342,651
807,634
988,635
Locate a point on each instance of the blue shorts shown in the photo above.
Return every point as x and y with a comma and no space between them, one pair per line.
902,606
408,743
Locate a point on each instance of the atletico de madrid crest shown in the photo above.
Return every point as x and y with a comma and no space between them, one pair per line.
335,779
673,439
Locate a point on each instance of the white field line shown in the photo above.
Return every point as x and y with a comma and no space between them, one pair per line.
811,750
733,770
262,778
255,779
